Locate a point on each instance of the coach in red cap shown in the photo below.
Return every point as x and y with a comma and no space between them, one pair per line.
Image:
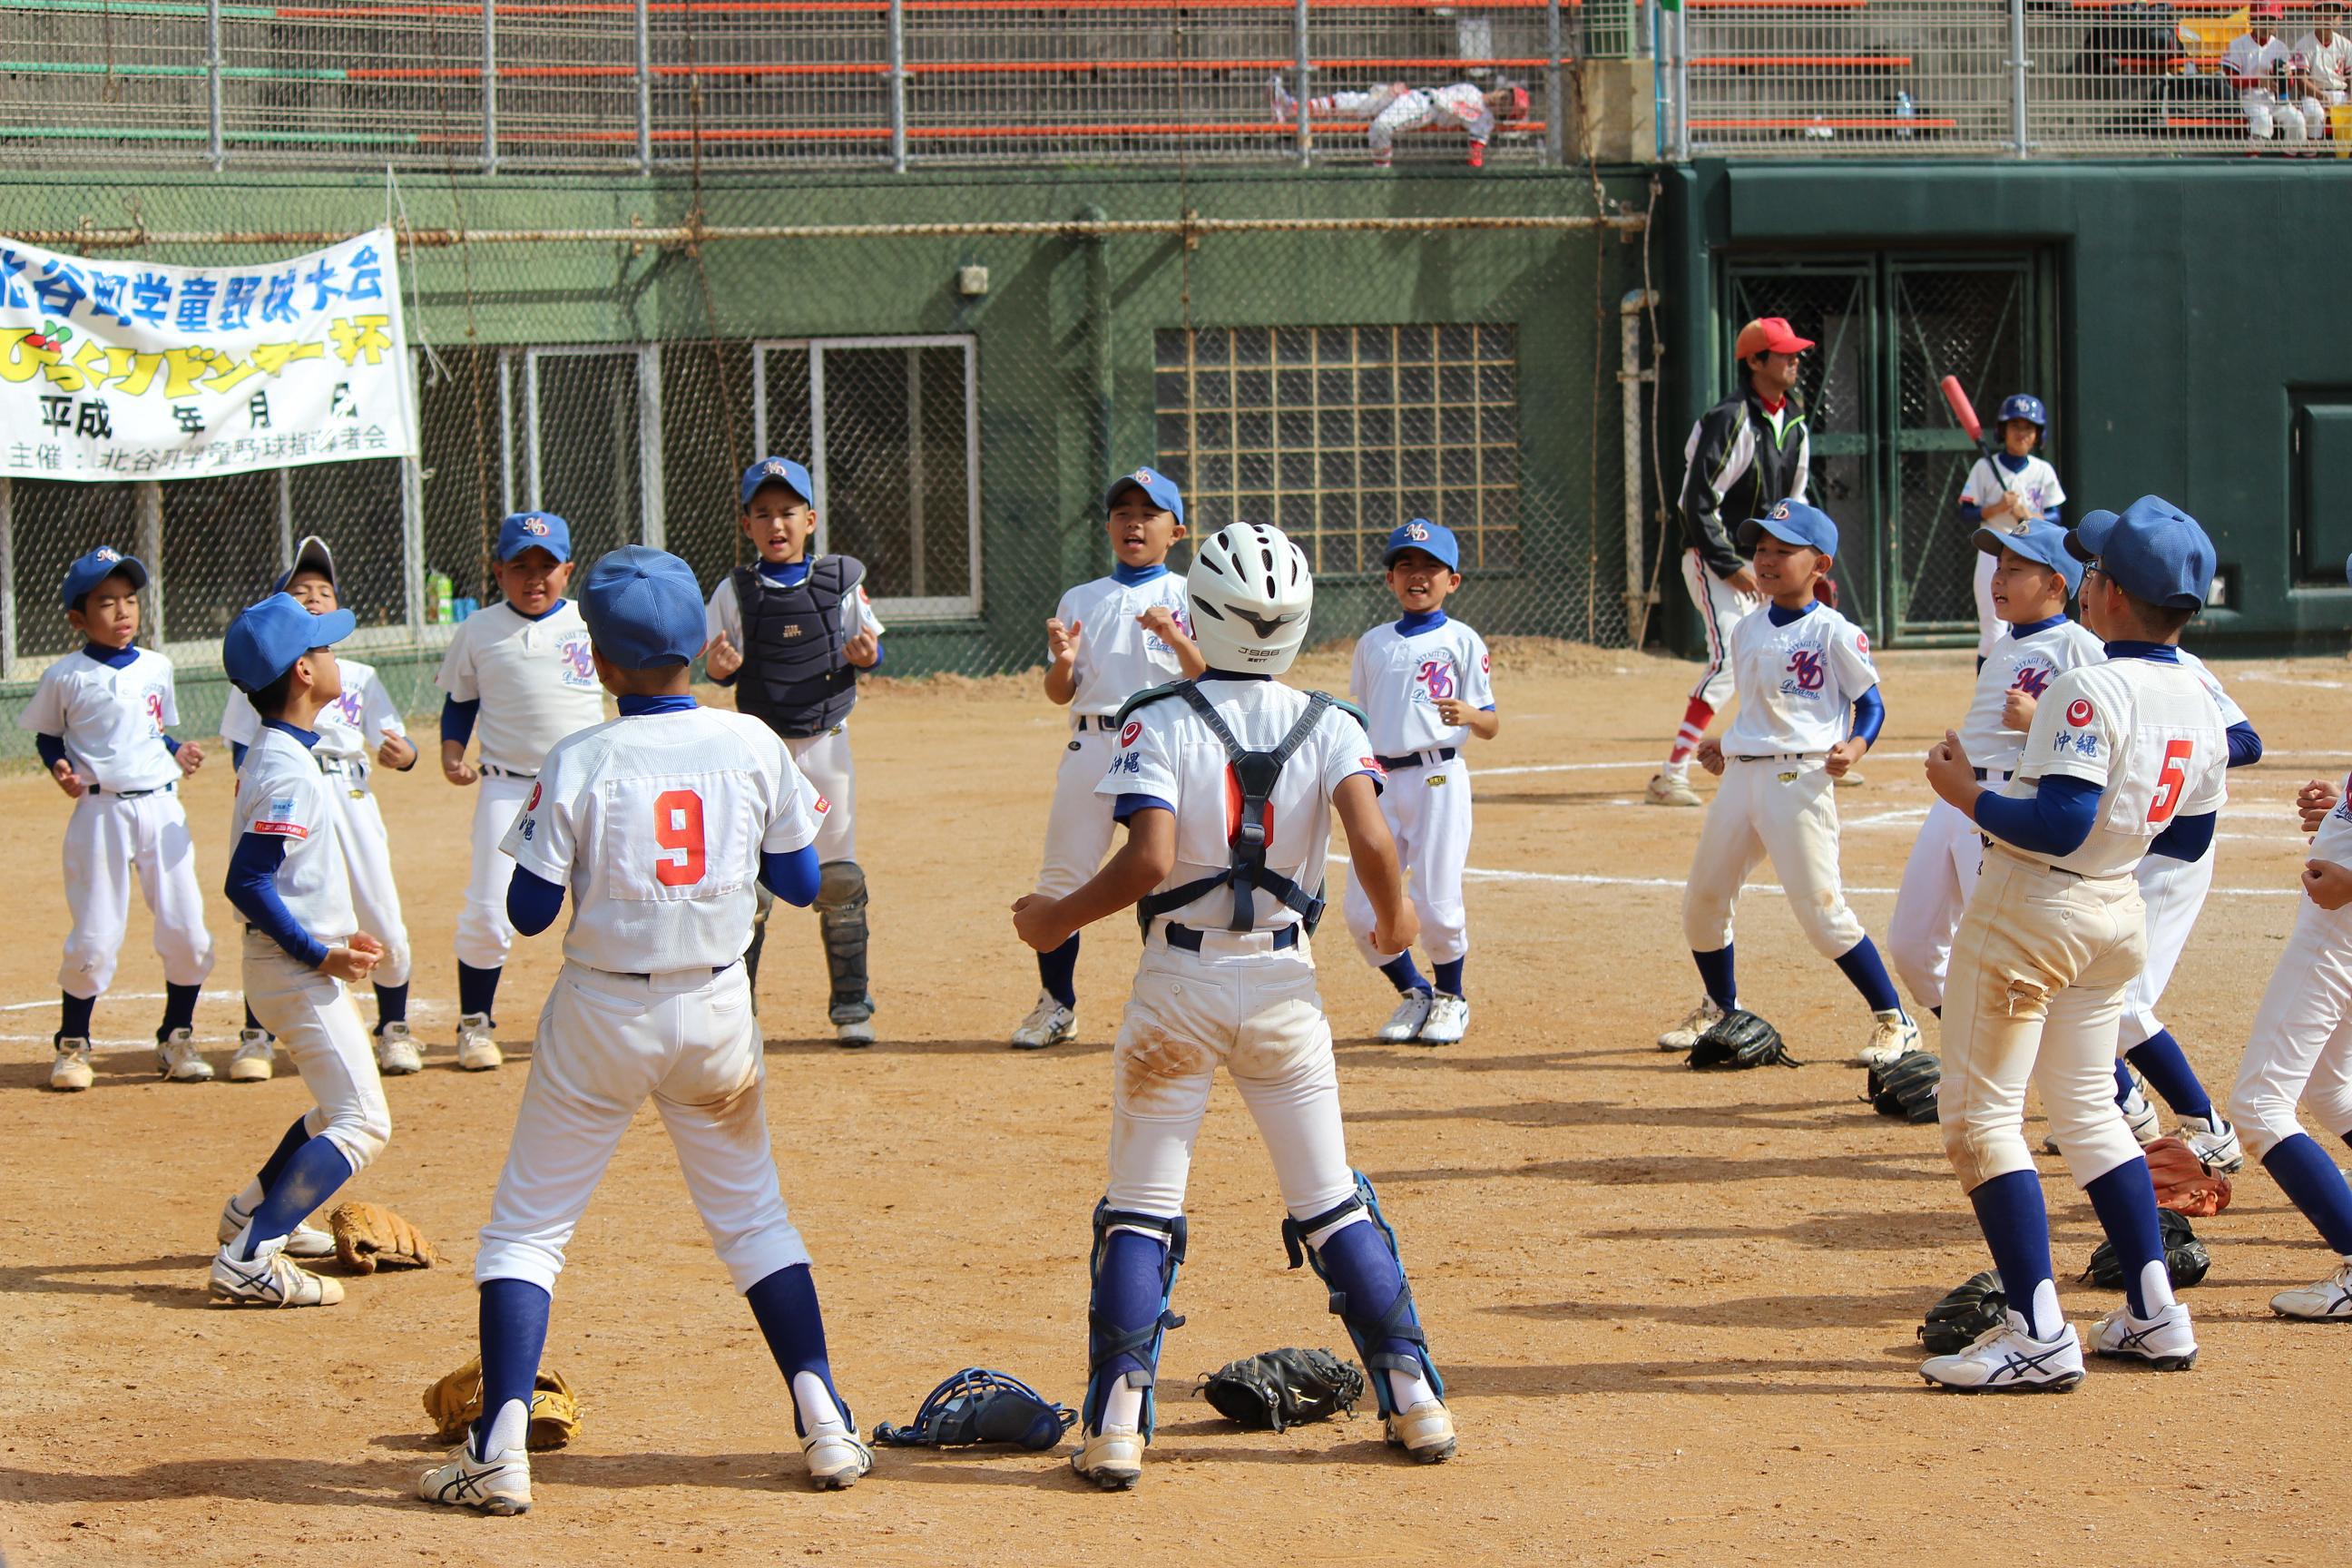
1744,454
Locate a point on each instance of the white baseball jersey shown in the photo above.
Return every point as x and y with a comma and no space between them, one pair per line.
349,728
2143,730
2036,484
534,679
1117,657
1167,754
112,720
281,795
2027,663
657,823
1797,682
2330,64
2245,57
1398,676
725,613
2222,702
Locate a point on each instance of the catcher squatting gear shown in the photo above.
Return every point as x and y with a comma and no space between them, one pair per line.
841,901
977,1405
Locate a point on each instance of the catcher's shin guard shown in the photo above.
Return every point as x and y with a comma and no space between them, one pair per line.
1376,1332
1117,1349
841,921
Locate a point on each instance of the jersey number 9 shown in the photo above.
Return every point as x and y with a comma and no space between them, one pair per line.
677,827
2170,782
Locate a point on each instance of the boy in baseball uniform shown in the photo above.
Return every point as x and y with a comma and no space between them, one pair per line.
2124,757
1425,684
101,719
658,824
1809,709
792,633
2033,575
1392,109
1136,640
359,731
516,678
1227,785
2006,491
302,947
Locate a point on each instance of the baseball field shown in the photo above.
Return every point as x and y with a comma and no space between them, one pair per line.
1674,1311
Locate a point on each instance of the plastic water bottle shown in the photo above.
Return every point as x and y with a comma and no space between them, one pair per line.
1906,111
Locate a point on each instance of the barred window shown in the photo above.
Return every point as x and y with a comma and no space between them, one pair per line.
1336,435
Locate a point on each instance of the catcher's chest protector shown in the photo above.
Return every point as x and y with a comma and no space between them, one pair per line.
793,675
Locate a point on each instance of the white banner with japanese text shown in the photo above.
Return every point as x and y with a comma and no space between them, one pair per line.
132,370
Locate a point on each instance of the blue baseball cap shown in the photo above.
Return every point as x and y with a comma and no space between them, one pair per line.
310,555
2039,542
643,607
266,639
1155,485
2155,552
778,471
1429,538
1793,522
96,567
535,529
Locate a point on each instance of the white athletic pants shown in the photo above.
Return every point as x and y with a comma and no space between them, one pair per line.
606,1044
1936,881
2173,891
484,934
108,838
312,1016
1079,831
2301,1044
367,859
2038,974
1721,607
824,760
1241,1003
2289,120
1428,811
1785,808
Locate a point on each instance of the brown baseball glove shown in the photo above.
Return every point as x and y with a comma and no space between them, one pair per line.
2185,1184
455,1403
369,1234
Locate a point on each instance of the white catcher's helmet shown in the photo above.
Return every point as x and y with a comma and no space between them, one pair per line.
1251,592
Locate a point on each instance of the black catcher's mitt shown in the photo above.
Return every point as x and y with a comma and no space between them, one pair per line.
1740,1039
2185,1258
1904,1088
1283,1388
977,1405
1974,1305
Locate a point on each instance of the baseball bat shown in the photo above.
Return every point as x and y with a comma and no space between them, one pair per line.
1962,409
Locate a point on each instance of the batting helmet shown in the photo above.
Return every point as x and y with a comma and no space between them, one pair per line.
1508,101
2024,405
1251,592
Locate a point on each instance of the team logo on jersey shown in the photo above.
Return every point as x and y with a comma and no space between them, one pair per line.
1862,643
1435,676
579,665
278,820
1134,730
1486,663
822,806
1373,766
155,710
532,804
2080,712
2033,680
1806,664
348,705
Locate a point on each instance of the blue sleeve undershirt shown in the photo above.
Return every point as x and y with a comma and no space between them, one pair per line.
172,744
1127,805
457,719
793,876
2187,838
1869,716
52,749
252,887
237,749
2053,820
2245,746
1971,513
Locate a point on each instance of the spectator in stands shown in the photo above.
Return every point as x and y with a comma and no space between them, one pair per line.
2326,63
2261,65
1392,106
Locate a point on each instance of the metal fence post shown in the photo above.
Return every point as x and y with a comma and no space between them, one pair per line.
1555,127
1304,136
147,504
8,580
645,92
214,140
2018,65
489,86
1681,106
898,86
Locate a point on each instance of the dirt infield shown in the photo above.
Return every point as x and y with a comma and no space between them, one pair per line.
1675,1313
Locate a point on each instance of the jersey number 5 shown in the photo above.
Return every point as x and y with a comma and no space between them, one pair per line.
677,827
2170,782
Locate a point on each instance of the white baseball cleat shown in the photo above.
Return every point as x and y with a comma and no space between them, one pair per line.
176,1059
1666,789
1411,1013
1426,1432
834,1457
1048,1023
71,1073
2165,1342
272,1280
1848,780
477,1047
498,1485
2008,1359
256,1058
1449,1018
854,1033
1112,1459
1697,1022
2328,1300
2141,1117
2215,1143
1891,1039
396,1053
305,1240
